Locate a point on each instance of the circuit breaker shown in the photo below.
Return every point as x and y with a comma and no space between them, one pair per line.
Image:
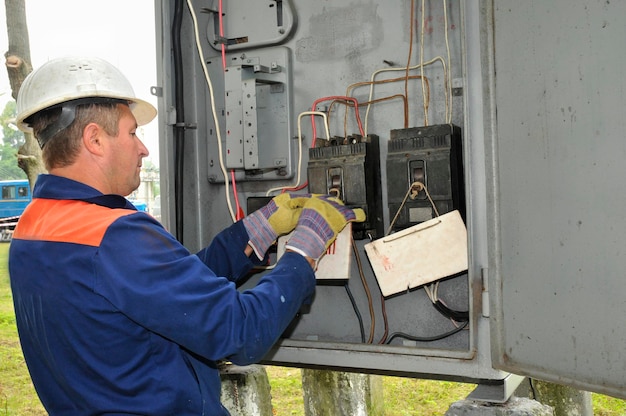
352,173
432,156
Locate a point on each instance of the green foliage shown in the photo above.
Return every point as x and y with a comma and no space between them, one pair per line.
11,135
12,139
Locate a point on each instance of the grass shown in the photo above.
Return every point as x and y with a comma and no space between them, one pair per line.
17,394
402,396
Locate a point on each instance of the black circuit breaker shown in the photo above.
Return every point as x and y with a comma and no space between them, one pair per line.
433,156
351,172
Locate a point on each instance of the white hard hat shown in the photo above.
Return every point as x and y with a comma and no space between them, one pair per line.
66,79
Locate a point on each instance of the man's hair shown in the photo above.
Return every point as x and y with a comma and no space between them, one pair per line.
62,148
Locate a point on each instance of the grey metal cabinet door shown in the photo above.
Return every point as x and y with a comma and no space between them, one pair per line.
558,203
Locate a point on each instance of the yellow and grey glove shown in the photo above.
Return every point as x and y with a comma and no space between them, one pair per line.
278,217
321,219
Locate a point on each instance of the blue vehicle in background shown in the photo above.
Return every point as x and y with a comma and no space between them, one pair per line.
15,196
141,206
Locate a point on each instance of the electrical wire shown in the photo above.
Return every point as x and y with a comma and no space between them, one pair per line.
179,126
297,186
348,104
220,10
426,339
385,319
384,81
213,110
370,302
454,315
336,97
378,100
408,63
421,65
422,60
449,77
429,293
379,71
238,208
356,311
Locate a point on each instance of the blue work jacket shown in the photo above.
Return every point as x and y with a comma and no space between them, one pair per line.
116,317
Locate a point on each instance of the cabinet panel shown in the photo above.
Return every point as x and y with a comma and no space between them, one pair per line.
558,258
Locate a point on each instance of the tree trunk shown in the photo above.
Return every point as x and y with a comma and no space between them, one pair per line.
19,65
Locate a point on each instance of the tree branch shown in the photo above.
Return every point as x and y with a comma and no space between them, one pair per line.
17,69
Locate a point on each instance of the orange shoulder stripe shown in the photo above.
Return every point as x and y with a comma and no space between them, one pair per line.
66,221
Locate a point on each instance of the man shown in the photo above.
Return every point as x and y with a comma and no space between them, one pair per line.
115,316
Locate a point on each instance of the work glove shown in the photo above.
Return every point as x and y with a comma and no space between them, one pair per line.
278,217
321,219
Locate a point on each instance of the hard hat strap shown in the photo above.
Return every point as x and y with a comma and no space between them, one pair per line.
68,114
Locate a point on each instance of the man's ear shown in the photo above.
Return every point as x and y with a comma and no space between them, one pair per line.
92,138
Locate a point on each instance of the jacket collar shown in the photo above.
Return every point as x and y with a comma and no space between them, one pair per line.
57,187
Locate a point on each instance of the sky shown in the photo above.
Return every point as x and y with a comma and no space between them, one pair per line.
119,31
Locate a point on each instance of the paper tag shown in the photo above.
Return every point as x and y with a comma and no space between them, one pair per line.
420,254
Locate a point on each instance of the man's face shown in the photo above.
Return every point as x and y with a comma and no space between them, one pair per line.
125,153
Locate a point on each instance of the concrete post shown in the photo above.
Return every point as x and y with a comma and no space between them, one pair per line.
246,390
515,406
566,401
334,393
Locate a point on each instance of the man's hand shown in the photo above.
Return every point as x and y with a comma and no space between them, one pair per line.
321,219
278,217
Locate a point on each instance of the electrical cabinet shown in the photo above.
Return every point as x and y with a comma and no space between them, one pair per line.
528,154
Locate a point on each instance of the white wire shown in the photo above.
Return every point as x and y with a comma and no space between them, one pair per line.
447,70
429,294
448,79
214,112
422,61
305,113
403,68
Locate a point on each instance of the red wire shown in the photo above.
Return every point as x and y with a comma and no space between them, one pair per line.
336,97
221,20
240,213
297,188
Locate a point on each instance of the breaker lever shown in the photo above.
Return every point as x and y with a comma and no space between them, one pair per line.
335,186
418,174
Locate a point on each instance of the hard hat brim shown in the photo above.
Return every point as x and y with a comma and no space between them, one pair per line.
143,111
